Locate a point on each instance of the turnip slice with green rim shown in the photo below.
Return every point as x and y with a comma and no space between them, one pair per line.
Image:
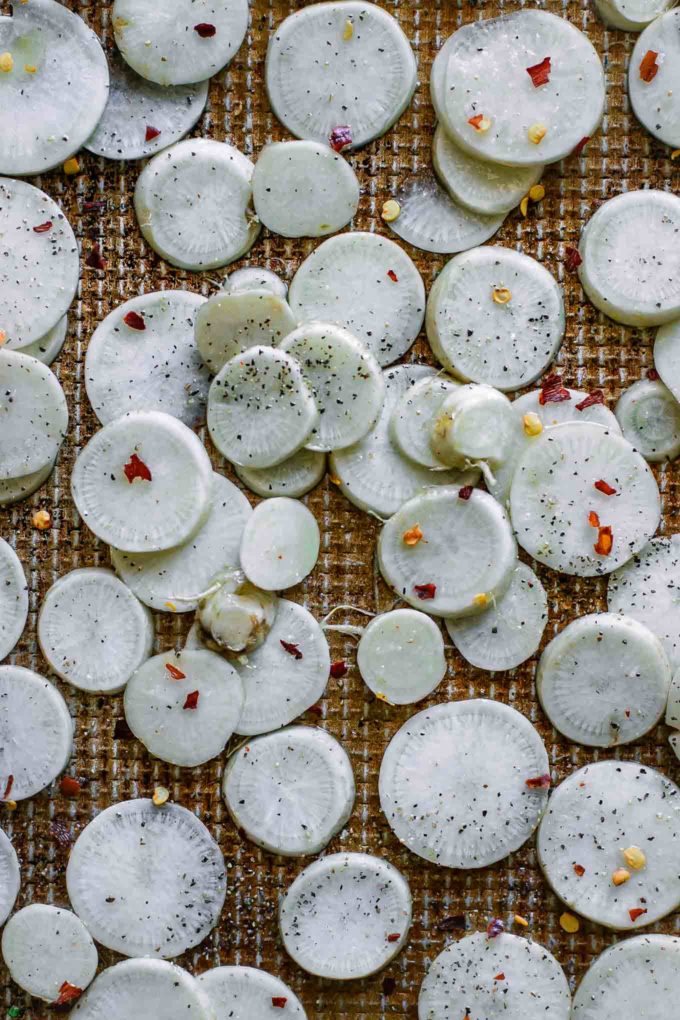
510,630
48,347
280,544
633,236
257,278
93,632
366,283
413,416
346,916
290,792
653,82
193,204
244,993
495,316
33,413
37,732
304,189
147,881
401,656
464,559
261,409
526,70
182,42
293,477
143,357
53,53
232,322
141,117
604,680
363,82
631,15
10,878
233,615
649,416
143,483
582,500
604,818
143,988
13,490
45,947
464,784
40,269
172,580
486,188
475,425
13,598
637,977
492,976
345,379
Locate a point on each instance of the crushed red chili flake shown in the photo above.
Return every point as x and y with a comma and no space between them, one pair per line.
151,133
653,375
648,66
95,260
627,713
578,149
94,205
476,120
291,648
425,591
279,1001
136,468
67,993
338,669
389,985
393,276
8,787
499,977
69,786
205,30
579,870
605,541
540,73
465,492
60,833
604,487
340,137
175,673
494,928
593,519
191,700
596,397
42,228
573,258
538,782
394,936
637,912
552,390
134,321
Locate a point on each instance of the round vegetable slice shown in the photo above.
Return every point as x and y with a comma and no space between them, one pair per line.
293,477
674,741
173,579
261,409
354,92
13,599
606,818
39,269
184,707
346,916
230,323
143,482
291,792
52,53
630,978
604,680
652,82
414,414
510,630
401,656
193,204
13,490
93,632
464,784
345,379
147,881
475,424
141,118
631,15
46,948
667,356
464,559
257,278
588,529
633,236
244,993
366,283
37,732
505,972
144,988
280,544
495,316
673,705
185,41
10,878
143,357
48,347
234,616
34,415
649,416
534,76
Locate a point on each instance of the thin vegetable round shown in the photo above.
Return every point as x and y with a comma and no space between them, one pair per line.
401,656
93,632
293,477
34,415
13,599
13,490
607,817
673,706
193,204
495,316
413,416
649,416
562,507
10,878
464,560
144,988
637,976
364,82
37,732
257,278
651,91
475,425
631,15
44,946
146,881
232,322
280,544
234,616
49,346
479,788
244,993
290,792
667,356
346,916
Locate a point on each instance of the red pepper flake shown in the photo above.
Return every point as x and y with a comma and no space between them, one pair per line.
394,937
579,870
279,1001
425,591
340,137
596,397
593,519
393,276
151,133
540,73
136,468
605,541
494,928
42,228
538,782
292,649
60,833
552,390
97,205
476,121
338,669
191,700
648,66
604,487
205,30
8,787
578,149
465,492
175,673
653,375
95,260
627,713
499,977
134,321
573,259
67,993
69,786
637,912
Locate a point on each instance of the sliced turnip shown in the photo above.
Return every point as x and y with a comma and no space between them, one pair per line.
401,656
438,80
13,599
37,732
293,477
193,204
634,236
491,976
257,278
261,409
280,544
53,53
181,42
631,15
346,916
674,741
13,490
291,792
464,784
652,82
366,283
463,555
10,878
413,417
33,413
339,69
48,347
495,316
475,425
232,322
144,988
535,77
244,993
667,356
141,118
631,978
45,947
582,500
607,818
649,416
234,616
510,631
673,705
93,632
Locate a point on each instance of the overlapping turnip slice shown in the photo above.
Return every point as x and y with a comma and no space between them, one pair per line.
475,425
631,15
49,346
244,993
630,979
34,415
13,490
649,416
414,415
10,878
144,988
653,76
280,544
401,656
13,598
293,477
256,278
243,317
